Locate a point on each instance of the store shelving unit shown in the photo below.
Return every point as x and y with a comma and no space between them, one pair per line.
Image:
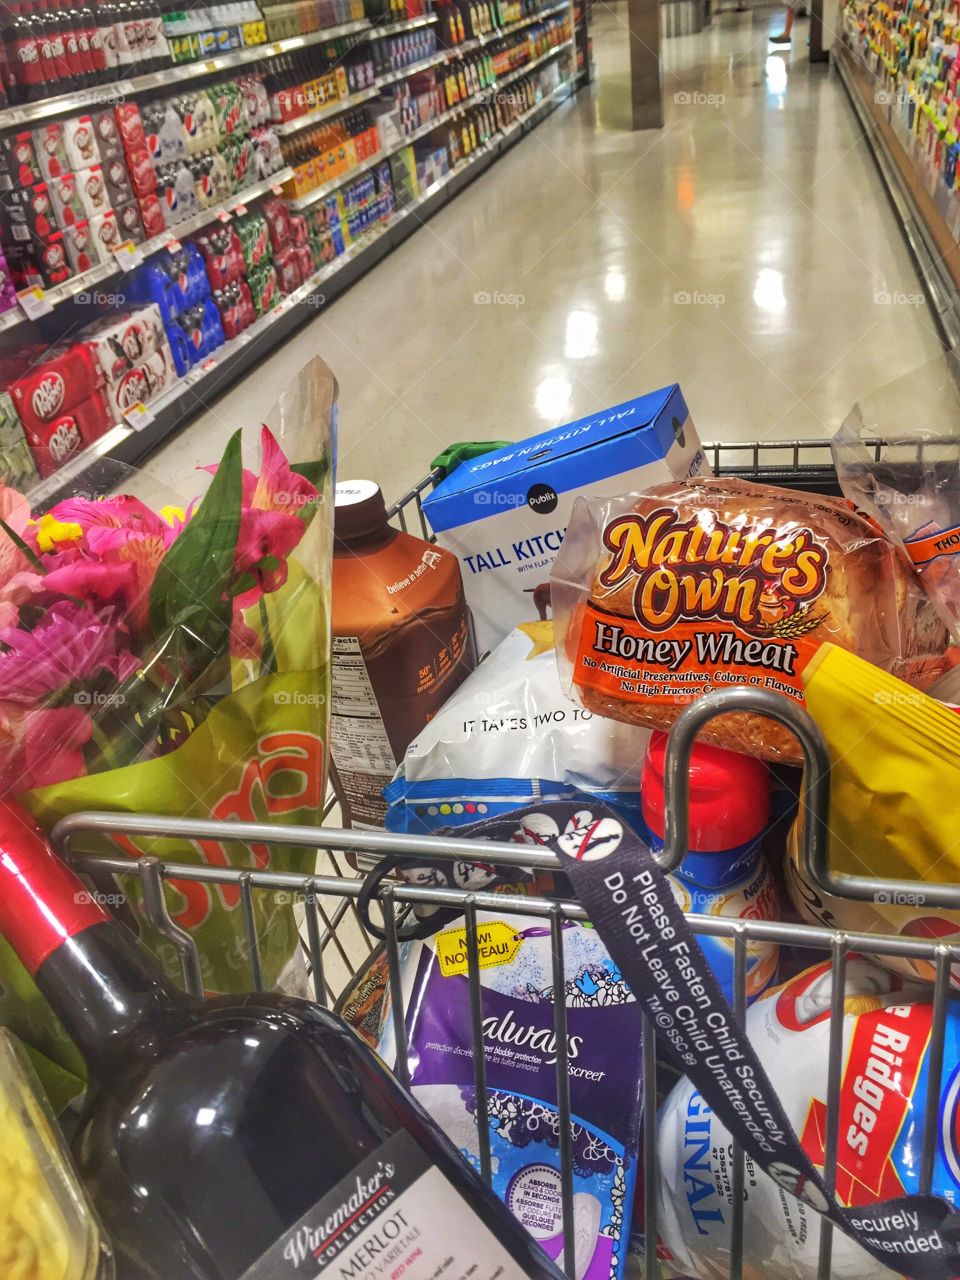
130,444
130,441
931,241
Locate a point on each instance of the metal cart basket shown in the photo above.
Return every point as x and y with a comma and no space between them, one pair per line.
336,943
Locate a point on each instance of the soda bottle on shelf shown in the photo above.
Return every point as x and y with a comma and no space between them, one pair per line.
224,1138
20,39
107,37
70,29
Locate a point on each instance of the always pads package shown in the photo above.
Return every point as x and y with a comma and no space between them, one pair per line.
519,1044
505,513
509,737
886,1058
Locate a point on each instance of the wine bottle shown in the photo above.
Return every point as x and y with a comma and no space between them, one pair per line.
241,1137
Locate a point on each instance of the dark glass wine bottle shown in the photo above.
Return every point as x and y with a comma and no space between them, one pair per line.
241,1137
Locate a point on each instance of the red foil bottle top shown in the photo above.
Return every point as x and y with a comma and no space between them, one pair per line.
729,796
42,902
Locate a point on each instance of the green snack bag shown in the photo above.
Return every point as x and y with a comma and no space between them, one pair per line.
176,663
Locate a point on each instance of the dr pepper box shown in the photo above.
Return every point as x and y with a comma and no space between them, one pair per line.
505,513
42,392
18,161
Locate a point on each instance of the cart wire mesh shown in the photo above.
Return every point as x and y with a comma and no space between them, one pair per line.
337,945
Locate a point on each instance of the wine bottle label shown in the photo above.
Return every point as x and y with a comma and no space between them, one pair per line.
396,1214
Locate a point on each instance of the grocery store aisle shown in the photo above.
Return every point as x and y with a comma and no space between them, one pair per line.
746,250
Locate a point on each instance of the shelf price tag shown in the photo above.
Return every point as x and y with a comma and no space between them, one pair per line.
211,66
173,246
35,303
240,210
138,416
277,189
224,215
127,255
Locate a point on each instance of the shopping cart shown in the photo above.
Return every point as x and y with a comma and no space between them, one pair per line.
337,944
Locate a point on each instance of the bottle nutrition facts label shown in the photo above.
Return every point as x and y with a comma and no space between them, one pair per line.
361,749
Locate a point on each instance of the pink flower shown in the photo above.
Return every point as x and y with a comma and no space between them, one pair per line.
70,644
244,641
275,507
15,512
53,741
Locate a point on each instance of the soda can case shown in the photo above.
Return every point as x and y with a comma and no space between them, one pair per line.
80,141
223,256
120,343
180,348
30,213
17,467
69,432
130,127
8,294
143,176
109,142
164,131
151,215
42,262
199,122
140,384
47,391
288,270
264,287
82,249
67,205
50,147
105,231
119,190
278,224
92,190
130,223
19,160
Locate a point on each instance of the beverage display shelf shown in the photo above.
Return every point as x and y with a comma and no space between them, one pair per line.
80,284
106,95
311,197
527,67
539,16
124,444
325,112
398,28
391,77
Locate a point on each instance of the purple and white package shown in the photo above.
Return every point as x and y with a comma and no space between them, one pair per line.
8,294
520,1052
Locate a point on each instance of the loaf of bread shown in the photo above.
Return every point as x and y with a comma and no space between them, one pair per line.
715,583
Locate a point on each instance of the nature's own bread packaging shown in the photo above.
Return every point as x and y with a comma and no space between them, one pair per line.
662,596
886,1058
505,513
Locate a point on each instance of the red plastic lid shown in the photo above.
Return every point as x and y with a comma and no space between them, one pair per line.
729,796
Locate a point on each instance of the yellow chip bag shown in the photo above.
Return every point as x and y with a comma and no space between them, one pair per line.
895,776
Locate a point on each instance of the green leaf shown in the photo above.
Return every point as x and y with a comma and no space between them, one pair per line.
19,543
188,600
315,472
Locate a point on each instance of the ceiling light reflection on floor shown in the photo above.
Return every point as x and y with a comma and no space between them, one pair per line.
581,339
776,75
768,292
615,284
553,398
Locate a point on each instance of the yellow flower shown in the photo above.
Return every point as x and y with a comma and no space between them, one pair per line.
51,531
173,515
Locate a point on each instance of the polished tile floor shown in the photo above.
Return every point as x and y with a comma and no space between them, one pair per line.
746,250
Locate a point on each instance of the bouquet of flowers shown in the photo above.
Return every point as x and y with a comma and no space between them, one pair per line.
175,662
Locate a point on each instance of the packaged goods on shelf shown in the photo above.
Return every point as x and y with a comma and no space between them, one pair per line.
519,1047
180,287
504,514
58,398
878,1138
655,613
17,467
